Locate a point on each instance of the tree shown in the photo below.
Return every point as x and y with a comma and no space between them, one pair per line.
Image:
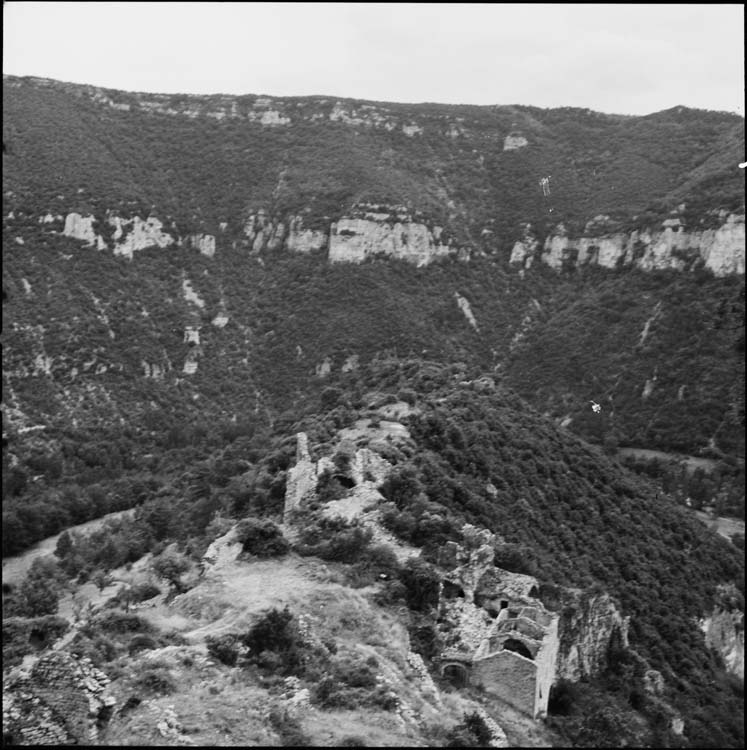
421,582
38,593
261,537
101,580
171,565
64,545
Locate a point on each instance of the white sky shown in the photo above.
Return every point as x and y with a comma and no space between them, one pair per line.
628,59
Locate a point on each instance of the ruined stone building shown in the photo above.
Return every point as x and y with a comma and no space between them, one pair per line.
502,637
499,632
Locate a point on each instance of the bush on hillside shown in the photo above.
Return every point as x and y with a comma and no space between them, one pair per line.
334,539
122,622
421,582
23,635
275,643
377,563
261,537
471,732
156,680
224,648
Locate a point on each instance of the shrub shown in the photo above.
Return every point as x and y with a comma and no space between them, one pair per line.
99,649
378,562
171,566
141,592
354,674
472,732
334,539
38,593
329,693
421,585
261,537
225,648
424,640
141,642
352,740
289,729
274,642
563,696
18,632
157,680
349,684
408,396
402,486
123,622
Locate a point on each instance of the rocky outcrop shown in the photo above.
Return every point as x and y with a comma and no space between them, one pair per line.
513,141
263,233
60,701
135,234
721,250
129,235
302,240
82,228
221,553
154,370
354,240
724,630
190,295
205,243
192,336
524,250
366,115
589,623
464,306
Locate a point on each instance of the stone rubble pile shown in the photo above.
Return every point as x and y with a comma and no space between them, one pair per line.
60,701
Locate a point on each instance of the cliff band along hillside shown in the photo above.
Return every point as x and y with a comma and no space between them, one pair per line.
340,327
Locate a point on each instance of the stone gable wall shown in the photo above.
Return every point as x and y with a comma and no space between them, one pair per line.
510,677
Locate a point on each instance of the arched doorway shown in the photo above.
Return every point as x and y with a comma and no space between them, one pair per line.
456,674
515,645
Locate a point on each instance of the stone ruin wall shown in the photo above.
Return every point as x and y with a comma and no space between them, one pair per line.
60,701
510,677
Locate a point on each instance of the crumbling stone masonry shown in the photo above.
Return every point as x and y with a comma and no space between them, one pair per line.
517,664
365,471
302,479
505,638
60,701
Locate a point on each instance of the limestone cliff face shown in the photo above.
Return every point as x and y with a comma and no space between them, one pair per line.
589,623
205,243
129,235
261,111
721,250
724,630
523,251
263,232
354,240
81,228
514,141
302,240
141,234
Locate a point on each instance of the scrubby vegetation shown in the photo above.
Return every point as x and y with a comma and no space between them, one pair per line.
181,459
